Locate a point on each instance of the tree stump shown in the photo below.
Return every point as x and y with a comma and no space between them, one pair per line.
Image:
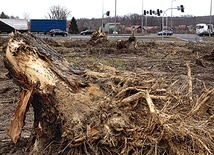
61,98
131,43
98,37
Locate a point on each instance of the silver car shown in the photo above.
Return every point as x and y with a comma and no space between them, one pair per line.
165,32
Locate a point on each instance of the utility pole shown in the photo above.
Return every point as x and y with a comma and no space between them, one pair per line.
171,12
211,27
115,16
102,15
142,18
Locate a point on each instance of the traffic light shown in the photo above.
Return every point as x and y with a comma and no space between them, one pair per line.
150,12
107,13
158,12
144,12
182,8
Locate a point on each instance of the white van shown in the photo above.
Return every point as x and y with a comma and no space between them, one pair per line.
204,29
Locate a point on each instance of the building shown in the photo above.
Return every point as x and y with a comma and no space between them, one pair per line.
110,28
9,25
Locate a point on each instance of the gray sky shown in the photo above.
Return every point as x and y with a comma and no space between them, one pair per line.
38,9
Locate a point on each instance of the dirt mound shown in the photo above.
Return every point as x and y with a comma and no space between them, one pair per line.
52,42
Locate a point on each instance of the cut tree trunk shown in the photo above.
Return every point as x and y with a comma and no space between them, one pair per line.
98,37
131,43
105,112
61,99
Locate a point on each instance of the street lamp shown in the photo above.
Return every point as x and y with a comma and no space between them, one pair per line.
181,7
107,14
171,11
163,21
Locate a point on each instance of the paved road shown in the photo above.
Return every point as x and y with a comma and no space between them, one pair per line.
189,37
185,37
148,37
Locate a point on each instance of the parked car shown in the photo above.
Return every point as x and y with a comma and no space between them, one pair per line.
87,32
55,32
165,32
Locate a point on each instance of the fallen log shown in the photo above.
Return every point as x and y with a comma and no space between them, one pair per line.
107,112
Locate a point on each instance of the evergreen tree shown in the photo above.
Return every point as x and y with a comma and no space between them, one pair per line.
73,28
3,15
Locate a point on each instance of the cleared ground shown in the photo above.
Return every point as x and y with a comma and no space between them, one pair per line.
159,60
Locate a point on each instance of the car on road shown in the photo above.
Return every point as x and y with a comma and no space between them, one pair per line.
55,32
87,32
165,32
115,32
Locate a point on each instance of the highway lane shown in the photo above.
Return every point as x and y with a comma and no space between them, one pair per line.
148,37
189,37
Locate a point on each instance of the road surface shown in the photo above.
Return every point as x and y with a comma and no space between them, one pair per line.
148,37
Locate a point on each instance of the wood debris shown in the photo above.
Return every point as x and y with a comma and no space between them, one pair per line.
104,112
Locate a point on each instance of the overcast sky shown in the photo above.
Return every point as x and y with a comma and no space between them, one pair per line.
38,9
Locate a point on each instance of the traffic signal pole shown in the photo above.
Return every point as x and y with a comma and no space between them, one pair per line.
181,7
162,28
107,14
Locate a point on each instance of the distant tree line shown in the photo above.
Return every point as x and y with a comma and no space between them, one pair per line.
135,19
5,16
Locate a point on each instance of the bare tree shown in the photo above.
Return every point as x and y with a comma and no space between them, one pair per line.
26,15
58,12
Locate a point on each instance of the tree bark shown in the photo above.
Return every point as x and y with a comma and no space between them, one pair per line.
61,98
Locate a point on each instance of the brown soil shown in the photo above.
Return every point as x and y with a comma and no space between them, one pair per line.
165,61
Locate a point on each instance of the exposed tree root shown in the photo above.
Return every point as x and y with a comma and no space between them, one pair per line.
105,111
